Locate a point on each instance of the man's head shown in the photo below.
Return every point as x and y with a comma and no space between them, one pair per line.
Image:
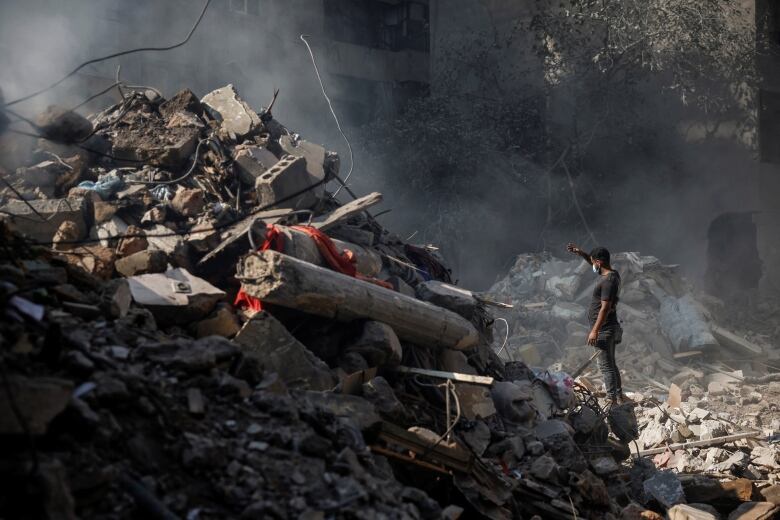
600,258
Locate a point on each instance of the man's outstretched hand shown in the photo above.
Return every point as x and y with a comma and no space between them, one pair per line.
571,248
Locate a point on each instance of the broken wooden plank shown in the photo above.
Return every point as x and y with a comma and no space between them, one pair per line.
347,210
282,280
730,340
700,444
453,376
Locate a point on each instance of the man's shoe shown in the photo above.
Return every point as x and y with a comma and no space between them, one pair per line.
624,399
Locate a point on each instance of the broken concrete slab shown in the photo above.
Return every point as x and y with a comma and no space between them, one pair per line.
175,296
683,323
265,339
41,221
150,140
142,262
37,399
236,118
348,210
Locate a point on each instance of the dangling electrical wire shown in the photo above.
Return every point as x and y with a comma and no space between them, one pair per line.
115,55
335,117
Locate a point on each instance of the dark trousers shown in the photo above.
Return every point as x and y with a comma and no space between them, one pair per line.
607,364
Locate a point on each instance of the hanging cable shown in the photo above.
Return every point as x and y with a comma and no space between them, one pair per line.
335,117
114,55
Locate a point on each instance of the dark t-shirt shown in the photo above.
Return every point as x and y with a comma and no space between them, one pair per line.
607,288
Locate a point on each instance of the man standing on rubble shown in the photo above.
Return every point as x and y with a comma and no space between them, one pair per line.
605,330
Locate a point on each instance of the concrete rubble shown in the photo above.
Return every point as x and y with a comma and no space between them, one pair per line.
194,326
699,376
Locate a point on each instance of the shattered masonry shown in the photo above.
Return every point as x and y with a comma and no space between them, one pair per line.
194,327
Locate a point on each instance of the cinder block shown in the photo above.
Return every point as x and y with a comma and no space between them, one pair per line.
286,178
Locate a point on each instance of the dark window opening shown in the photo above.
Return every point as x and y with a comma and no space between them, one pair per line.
395,27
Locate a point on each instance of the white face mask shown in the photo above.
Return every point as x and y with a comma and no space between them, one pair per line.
595,269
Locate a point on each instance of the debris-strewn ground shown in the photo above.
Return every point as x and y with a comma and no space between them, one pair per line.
195,325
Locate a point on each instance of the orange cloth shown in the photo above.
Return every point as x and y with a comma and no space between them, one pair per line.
273,239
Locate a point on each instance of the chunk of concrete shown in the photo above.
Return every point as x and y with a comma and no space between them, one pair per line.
665,488
188,202
38,400
223,322
284,185
183,101
62,125
379,392
265,339
545,468
109,230
604,466
66,236
142,262
115,298
134,243
51,213
475,400
378,344
236,118
449,297
175,297
512,401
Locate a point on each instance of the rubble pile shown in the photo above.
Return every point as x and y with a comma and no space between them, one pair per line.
671,333
195,326
699,417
